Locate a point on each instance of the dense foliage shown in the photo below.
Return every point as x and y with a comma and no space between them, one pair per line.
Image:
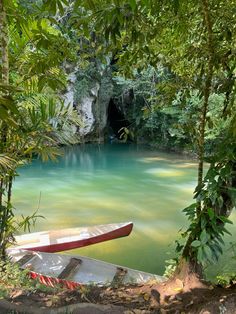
173,65
33,119
194,43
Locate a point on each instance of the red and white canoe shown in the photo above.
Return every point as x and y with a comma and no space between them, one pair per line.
74,270
68,239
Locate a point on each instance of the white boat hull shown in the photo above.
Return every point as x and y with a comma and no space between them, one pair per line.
48,268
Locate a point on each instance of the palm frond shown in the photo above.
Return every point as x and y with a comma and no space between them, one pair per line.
7,163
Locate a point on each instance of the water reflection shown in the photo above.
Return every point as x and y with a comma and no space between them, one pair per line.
101,184
165,172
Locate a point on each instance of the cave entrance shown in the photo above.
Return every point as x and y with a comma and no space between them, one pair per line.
115,120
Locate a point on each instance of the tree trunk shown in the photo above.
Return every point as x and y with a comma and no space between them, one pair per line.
188,270
188,264
207,89
4,76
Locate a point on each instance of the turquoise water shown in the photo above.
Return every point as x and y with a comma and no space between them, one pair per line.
95,184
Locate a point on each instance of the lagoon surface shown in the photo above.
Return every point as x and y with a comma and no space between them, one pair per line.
98,184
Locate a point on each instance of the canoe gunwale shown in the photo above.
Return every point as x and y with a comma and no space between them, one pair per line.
119,232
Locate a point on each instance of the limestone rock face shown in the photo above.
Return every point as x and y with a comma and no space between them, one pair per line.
90,95
86,110
69,95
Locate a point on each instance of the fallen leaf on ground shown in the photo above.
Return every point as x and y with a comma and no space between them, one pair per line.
49,303
146,296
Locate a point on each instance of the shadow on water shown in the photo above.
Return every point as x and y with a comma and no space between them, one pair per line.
94,184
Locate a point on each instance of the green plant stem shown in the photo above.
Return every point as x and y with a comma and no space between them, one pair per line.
9,190
1,193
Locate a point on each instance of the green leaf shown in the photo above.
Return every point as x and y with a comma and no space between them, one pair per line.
133,4
200,254
226,231
211,213
190,208
190,211
179,246
225,220
219,239
60,7
220,201
203,222
208,252
217,247
91,4
4,114
196,243
53,7
204,237
176,5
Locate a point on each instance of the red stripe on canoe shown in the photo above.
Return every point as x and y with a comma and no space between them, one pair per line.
59,247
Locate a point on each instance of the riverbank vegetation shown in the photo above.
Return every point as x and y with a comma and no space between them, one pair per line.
172,74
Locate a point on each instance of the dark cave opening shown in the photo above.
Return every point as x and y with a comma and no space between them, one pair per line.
115,120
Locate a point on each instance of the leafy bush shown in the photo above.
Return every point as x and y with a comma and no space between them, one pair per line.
170,268
12,277
226,279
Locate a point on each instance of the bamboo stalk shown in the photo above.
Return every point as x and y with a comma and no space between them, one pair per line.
4,44
4,76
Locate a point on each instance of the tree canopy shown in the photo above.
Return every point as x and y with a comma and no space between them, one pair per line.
186,52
